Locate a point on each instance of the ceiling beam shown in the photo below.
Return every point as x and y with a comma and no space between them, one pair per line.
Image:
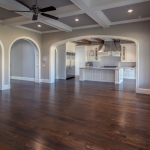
99,40
18,21
25,28
86,41
130,21
102,5
66,11
116,40
91,13
14,5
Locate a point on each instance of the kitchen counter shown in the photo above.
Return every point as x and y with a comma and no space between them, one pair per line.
114,75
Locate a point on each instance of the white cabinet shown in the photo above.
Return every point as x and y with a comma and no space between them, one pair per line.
70,47
102,75
80,58
91,53
128,52
129,73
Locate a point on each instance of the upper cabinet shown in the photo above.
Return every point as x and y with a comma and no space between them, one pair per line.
92,53
128,52
70,47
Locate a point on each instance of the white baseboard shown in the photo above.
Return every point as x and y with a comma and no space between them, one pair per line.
45,81
6,87
143,91
22,78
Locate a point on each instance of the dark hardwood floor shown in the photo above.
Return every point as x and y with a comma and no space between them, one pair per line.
73,115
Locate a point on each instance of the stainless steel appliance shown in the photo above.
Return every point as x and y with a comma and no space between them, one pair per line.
70,65
110,67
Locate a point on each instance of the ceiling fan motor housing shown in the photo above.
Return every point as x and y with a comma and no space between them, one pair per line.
35,17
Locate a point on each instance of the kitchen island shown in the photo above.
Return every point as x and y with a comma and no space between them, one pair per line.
114,75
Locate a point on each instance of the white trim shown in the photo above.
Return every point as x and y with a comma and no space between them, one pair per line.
51,31
85,27
53,47
66,11
25,28
143,91
22,78
75,28
39,56
113,4
100,20
2,87
18,21
6,87
45,81
130,21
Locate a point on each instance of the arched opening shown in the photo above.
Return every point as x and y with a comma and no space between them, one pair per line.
1,66
24,60
54,46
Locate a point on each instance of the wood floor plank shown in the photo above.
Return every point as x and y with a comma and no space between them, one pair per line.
73,115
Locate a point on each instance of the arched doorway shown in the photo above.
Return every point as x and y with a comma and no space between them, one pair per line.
1,66
53,47
37,66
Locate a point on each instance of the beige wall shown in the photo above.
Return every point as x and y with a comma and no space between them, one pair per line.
7,36
139,31
22,59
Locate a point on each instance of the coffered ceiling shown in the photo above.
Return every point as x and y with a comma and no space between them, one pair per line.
42,28
140,10
45,3
84,20
6,14
91,13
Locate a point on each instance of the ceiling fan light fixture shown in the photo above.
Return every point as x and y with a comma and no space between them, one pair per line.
35,17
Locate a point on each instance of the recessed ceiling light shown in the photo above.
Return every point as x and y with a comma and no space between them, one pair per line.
76,19
130,11
39,26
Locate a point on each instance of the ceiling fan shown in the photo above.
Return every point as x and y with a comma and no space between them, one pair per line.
37,10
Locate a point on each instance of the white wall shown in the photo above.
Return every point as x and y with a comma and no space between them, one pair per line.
0,67
22,59
7,36
61,62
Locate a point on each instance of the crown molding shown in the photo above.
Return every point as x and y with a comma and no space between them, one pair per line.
75,28
25,28
130,21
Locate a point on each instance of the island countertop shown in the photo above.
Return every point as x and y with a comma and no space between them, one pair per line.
101,68
102,74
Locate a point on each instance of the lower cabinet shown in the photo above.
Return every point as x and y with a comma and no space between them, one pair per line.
100,75
129,73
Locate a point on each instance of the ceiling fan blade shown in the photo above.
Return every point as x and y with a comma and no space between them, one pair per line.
19,11
51,8
49,16
24,4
